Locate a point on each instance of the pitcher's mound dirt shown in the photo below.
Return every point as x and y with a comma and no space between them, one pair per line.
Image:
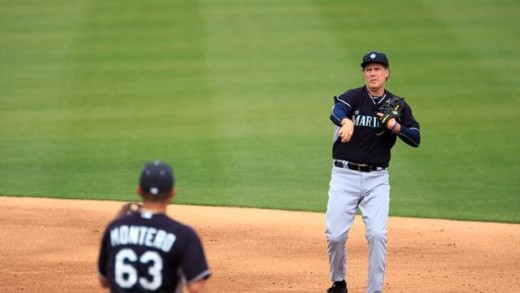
50,245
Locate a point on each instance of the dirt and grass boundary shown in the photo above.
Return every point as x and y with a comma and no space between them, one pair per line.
50,245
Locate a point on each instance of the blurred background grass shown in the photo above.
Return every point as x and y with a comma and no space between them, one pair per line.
237,94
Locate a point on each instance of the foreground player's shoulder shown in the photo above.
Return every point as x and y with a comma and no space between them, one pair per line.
190,233
180,228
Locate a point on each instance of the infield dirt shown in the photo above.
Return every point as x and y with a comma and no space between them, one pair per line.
50,245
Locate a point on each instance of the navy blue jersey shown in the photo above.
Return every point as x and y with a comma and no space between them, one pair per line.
146,252
371,142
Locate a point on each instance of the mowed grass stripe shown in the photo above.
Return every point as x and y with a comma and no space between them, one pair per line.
237,96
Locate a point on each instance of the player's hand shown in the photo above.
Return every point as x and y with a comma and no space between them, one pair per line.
346,130
198,287
390,121
103,282
391,124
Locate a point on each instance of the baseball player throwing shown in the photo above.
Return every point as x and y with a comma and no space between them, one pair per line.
368,121
144,250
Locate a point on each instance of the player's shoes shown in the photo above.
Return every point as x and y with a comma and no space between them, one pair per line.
338,287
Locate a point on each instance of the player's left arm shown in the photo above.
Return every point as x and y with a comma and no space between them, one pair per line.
407,128
102,261
103,282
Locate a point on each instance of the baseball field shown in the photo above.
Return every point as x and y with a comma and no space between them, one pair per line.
236,95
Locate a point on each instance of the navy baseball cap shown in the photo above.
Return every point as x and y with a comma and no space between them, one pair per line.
375,57
156,178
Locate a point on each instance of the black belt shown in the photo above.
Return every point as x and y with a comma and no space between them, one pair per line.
357,167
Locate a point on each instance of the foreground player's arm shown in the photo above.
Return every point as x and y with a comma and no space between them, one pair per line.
198,287
194,264
103,282
102,262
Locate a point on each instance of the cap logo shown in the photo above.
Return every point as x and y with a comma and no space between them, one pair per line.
154,190
372,56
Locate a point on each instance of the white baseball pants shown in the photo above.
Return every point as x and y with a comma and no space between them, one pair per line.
370,192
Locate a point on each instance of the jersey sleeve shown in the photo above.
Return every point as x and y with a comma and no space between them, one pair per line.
341,108
193,263
103,256
410,128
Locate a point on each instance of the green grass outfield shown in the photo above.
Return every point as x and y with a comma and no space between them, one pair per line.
237,94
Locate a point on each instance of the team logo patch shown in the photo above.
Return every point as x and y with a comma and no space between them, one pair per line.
372,55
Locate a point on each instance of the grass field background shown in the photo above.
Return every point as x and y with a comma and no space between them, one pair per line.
237,94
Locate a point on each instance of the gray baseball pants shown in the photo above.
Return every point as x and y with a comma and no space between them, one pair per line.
370,192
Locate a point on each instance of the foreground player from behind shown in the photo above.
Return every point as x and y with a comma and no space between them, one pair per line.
144,250
368,121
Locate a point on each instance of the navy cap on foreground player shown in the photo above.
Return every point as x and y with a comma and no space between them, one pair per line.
146,251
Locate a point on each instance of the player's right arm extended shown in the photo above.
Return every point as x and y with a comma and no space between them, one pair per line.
340,111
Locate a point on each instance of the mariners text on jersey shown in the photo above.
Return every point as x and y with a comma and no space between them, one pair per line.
365,120
143,236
